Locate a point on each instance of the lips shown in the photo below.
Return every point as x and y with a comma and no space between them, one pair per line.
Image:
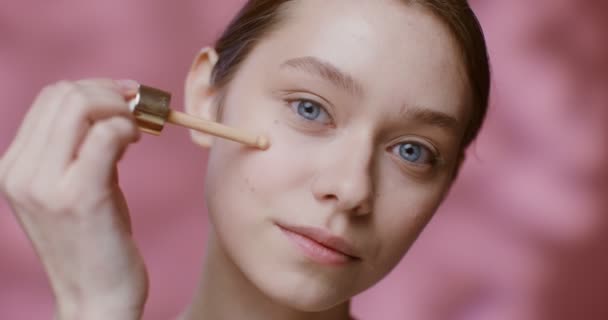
320,244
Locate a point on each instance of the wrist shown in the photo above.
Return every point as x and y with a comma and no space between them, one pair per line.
98,314
97,311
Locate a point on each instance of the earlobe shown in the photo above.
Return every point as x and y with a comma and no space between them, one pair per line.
200,93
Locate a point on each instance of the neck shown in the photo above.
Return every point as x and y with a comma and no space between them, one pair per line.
224,292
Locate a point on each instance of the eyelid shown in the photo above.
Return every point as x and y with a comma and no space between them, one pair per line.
329,121
424,143
419,140
293,95
298,97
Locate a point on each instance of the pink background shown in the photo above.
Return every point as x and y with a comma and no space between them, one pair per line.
524,235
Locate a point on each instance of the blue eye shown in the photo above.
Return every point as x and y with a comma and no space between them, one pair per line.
310,110
414,153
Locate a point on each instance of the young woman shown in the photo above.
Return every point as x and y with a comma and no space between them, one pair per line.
369,106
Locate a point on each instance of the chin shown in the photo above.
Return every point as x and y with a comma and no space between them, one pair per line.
308,299
302,290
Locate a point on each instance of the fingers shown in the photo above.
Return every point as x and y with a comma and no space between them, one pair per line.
56,124
41,106
58,176
91,101
102,147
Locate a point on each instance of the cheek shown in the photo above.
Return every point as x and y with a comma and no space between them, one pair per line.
269,173
250,179
401,215
290,164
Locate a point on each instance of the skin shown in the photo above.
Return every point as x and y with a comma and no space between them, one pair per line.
60,178
341,170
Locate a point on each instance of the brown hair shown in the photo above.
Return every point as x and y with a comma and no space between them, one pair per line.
259,17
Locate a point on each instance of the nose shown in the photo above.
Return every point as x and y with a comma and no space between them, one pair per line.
346,178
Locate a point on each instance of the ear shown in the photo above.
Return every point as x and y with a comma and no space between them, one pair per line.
200,93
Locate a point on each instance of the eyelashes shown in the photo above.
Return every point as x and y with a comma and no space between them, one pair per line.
313,115
415,153
311,111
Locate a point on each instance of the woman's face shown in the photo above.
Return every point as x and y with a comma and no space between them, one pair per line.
364,104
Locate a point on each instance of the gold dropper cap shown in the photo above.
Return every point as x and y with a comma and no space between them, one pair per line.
151,109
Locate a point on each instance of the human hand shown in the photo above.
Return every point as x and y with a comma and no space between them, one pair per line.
60,178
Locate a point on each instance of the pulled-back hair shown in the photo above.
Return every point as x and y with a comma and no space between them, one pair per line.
259,17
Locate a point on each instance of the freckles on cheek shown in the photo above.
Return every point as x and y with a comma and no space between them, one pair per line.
282,167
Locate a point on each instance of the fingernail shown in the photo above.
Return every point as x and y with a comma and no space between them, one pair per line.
127,86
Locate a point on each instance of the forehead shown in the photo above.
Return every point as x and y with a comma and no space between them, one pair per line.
400,53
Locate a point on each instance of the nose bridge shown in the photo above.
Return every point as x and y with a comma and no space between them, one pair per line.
347,178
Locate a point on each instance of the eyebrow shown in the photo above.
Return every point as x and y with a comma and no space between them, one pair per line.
327,71
343,80
430,117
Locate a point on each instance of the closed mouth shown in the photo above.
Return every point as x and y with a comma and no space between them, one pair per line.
320,245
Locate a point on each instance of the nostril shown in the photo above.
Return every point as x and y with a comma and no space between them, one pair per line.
363,209
330,197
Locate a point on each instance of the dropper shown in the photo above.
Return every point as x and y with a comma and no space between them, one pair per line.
151,110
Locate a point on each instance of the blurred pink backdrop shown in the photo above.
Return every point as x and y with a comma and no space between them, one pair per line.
523,236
